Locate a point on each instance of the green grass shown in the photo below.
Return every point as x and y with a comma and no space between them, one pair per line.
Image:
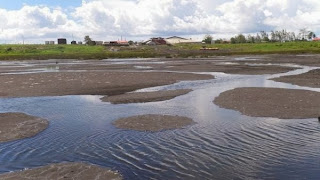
262,48
11,52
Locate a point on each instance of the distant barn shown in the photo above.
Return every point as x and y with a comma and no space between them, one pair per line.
177,40
73,42
62,41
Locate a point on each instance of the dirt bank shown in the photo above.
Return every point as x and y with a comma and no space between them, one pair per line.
142,97
152,123
87,83
272,102
310,79
68,171
14,126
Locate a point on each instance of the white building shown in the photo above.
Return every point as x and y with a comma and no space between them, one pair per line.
49,42
177,40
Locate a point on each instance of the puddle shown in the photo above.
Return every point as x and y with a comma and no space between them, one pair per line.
223,144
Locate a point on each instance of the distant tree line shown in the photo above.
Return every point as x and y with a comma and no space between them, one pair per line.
262,36
274,36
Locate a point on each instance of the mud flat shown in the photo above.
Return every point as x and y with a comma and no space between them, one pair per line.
87,83
300,59
142,97
152,123
310,79
79,171
232,68
272,102
14,126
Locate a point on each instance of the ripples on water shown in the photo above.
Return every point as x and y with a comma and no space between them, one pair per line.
223,144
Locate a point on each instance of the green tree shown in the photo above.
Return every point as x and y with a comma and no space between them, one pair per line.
208,39
88,41
311,35
241,38
233,40
130,42
303,34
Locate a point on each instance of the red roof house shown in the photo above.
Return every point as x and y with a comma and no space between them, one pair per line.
316,39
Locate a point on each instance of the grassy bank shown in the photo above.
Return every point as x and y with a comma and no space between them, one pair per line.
11,52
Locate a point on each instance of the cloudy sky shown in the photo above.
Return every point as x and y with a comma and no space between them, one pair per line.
40,20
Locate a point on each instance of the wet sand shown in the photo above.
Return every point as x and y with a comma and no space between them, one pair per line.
143,97
309,79
68,171
232,68
152,123
300,59
87,83
14,126
272,102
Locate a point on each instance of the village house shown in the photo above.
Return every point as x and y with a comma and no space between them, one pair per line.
156,41
62,41
170,40
316,39
49,42
99,42
116,43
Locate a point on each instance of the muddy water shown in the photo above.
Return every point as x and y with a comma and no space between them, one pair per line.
223,144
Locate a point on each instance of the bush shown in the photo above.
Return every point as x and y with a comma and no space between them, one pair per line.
9,49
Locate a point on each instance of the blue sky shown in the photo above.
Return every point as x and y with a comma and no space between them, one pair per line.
40,20
17,4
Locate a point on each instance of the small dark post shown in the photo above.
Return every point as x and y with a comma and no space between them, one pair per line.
319,118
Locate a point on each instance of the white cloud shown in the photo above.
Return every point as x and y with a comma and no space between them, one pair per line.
137,19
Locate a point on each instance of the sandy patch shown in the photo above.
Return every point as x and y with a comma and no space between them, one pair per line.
14,126
87,83
142,97
310,79
152,123
272,102
68,171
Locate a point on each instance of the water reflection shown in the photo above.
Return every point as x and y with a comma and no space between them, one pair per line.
223,144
